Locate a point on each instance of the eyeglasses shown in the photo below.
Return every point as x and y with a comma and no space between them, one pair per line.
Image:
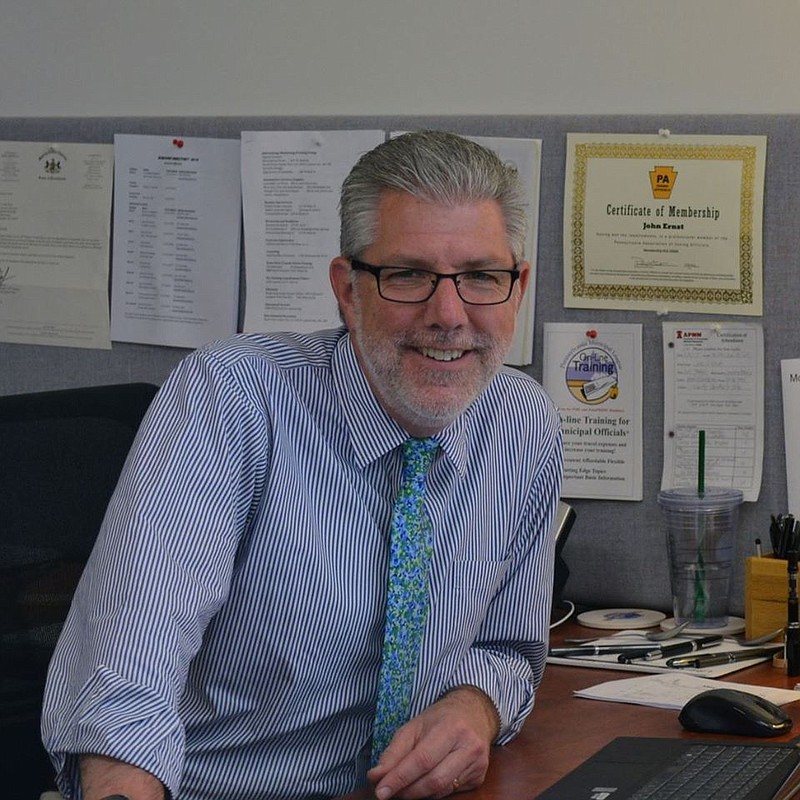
480,287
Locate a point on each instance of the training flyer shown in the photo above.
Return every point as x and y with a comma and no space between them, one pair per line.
593,373
664,222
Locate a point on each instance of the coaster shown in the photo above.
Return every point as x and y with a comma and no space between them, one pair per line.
735,625
620,618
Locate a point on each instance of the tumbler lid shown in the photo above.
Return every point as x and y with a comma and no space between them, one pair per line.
713,498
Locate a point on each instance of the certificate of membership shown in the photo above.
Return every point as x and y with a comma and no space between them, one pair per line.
664,222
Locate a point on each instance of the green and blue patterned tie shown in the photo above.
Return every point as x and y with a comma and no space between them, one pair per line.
406,594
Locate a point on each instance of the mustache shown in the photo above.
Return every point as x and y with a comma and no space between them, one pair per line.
444,341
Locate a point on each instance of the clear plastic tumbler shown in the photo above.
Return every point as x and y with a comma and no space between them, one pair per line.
701,541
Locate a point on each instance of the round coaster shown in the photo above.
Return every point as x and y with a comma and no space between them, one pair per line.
620,618
735,625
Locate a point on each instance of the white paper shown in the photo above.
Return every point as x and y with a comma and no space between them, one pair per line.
526,156
593,373
177,222
714,381
55,213
674,689
790,384
291,183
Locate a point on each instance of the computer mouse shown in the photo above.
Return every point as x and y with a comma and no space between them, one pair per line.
734,711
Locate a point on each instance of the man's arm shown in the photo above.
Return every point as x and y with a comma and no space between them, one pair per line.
443,750
103,777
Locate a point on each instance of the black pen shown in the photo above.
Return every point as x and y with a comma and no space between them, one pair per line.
675,649
597,650
728,657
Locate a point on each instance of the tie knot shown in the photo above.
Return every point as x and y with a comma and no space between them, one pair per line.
418,455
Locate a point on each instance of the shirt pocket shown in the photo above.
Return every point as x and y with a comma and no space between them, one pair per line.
464,595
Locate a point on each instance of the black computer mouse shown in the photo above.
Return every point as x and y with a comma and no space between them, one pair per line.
734,711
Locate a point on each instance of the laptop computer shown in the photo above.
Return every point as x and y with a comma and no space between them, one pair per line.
631,768
562,524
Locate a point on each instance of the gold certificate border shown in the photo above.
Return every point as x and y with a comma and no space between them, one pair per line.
741,296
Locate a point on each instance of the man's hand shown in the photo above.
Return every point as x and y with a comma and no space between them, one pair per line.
101,777
443,750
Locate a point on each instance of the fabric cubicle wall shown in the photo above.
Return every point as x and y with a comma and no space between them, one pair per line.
616,551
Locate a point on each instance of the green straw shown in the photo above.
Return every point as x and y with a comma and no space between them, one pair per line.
700,591
701,463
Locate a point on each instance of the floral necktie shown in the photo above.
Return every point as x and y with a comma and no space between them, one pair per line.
406,594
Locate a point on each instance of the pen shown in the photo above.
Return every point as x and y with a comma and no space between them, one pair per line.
597,650
675,649
728,657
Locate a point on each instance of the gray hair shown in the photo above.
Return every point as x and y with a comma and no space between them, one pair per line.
436,167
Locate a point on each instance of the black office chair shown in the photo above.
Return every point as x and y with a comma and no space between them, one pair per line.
61,453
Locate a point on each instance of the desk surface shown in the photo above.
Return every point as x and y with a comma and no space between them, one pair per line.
563,731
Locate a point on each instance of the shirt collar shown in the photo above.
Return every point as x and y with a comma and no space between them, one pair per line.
373,433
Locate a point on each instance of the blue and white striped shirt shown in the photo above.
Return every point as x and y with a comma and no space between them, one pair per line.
226,634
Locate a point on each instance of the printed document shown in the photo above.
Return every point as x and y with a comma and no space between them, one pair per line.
290,189
790,382
714,381
526,156
593,373
674,689
55,218
177,221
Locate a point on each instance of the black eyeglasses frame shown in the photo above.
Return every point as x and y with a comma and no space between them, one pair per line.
375,270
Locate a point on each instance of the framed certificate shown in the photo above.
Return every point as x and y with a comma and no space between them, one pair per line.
664,222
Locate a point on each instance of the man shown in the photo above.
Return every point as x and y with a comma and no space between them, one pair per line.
225,641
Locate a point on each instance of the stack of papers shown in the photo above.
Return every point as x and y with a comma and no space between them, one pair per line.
611,661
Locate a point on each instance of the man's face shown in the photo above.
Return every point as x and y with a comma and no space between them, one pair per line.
426,362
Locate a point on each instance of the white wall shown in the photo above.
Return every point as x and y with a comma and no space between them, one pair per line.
358,57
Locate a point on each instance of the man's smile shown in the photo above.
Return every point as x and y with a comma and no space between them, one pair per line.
441,355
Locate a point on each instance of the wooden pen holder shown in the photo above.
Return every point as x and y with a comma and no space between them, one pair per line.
766,589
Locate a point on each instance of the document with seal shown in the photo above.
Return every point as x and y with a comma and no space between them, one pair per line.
665,223
55,218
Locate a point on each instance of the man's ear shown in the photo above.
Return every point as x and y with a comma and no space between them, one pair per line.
524,276
342,284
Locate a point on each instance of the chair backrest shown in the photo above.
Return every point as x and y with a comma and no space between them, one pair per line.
61,453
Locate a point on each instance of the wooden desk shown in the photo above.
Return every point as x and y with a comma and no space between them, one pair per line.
563,731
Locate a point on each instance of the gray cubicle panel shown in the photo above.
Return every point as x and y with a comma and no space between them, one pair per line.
616,551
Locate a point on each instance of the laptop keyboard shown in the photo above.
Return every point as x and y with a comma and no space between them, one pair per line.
717,772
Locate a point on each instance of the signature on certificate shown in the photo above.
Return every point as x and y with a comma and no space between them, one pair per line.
5,277
645,263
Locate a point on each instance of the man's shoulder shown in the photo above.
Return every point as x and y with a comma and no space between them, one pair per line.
520,396
285,350
514,381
